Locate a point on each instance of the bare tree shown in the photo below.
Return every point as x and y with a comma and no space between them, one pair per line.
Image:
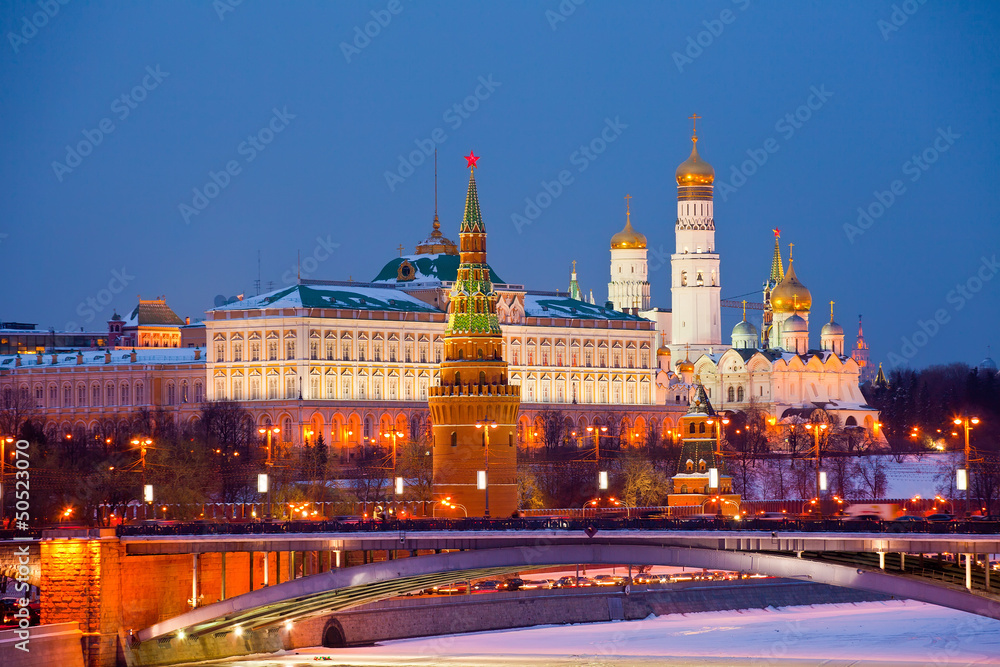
869,471
553,427
16,408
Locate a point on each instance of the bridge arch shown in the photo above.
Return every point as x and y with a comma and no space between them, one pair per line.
337,590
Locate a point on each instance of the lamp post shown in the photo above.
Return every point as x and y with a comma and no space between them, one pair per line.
966,424
816,429
142,444
4,441
486,425
270,462
446,502
598,431
393,434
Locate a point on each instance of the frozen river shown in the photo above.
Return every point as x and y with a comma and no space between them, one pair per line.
898,632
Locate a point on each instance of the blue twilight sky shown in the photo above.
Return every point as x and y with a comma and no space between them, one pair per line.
188,88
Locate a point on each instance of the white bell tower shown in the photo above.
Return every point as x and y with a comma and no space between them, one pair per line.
695,280
628,288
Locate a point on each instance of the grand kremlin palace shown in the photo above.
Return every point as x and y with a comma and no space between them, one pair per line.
355,361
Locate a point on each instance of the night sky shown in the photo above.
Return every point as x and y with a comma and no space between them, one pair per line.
298,132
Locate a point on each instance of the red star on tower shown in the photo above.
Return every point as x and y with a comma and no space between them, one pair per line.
471,159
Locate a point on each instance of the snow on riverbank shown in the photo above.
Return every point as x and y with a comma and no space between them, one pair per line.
897,632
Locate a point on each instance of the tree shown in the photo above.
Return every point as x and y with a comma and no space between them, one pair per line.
553,427
746,441
529,494
227,430
869,471
644,485
16,408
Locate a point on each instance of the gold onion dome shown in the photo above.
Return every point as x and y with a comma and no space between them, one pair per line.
628,238
663,351
685,366
790,296
694,170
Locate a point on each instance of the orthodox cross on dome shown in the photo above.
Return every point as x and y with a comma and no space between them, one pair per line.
694,126
400,249
574,266
471,160
744,310
791,246
628,208
831,311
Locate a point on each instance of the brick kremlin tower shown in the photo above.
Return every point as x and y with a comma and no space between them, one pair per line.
474,411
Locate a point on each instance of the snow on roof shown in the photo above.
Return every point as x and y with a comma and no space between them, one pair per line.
551,304
430,268
337,295
162,355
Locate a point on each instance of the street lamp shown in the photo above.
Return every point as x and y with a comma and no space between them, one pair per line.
486,425
450,505
393,434
820,478
718,437
268,430
602,477
963,475
142,444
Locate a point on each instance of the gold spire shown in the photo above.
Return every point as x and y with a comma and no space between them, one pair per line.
831,312
744,310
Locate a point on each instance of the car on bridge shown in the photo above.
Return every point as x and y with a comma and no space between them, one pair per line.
488,586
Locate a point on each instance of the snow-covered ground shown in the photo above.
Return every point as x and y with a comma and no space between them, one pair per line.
898,632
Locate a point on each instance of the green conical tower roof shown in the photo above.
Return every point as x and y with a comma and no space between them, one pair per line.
777,270
472,221
472,307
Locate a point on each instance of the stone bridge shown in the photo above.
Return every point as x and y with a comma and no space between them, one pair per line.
194,594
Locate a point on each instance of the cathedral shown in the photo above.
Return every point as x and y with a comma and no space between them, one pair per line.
775,368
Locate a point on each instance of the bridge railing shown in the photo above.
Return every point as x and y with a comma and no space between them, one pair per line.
362,525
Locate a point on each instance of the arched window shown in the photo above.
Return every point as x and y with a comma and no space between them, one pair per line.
851,421
691,429
684,488
701,465
479,354
454,439
482,377
701,427
690,467
458,378
731,394
461,354
739,394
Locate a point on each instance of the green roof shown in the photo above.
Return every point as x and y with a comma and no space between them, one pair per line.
443,268
334,296
542,305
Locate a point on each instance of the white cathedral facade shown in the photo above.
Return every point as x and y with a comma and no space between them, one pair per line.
776,368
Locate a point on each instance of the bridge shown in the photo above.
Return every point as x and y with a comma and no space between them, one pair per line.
163,576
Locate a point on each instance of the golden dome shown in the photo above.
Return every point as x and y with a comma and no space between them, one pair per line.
663,351
694,170
790,296
628,238
685,367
